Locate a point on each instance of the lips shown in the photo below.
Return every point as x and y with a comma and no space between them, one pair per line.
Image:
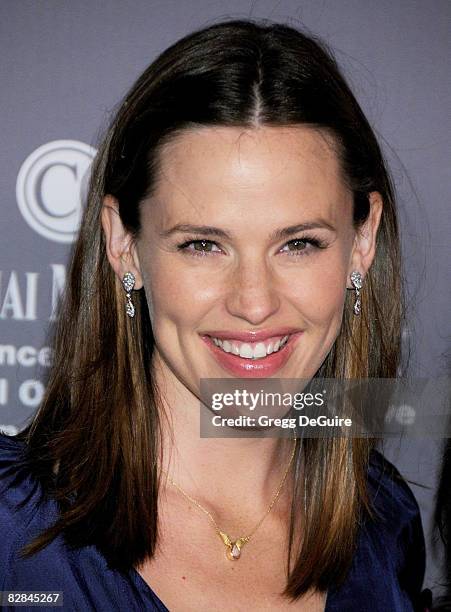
252,354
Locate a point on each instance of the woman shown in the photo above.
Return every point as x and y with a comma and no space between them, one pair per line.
240,223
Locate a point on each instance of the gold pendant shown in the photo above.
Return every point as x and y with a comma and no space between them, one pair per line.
233,547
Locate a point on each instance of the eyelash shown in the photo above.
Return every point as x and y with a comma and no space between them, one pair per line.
315,243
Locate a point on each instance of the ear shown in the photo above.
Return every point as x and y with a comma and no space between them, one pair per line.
120,247
364,247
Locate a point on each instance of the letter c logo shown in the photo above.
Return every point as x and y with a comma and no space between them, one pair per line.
50,187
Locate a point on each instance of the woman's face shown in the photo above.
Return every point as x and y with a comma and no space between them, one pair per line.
245,252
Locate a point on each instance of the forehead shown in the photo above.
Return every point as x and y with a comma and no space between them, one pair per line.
224,168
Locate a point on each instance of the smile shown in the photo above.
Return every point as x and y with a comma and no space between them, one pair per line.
254,350
252,354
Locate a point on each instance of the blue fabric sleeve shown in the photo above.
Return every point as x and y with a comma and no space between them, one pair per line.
83,575
389,564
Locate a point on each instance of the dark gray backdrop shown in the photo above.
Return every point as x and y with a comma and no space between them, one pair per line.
64,66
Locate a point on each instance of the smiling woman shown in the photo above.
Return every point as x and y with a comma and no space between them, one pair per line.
240,223
292,268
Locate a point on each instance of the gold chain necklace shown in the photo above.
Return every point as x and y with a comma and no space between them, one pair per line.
234,547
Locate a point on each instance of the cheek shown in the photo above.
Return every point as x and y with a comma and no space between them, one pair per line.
177,293
326,300
319,293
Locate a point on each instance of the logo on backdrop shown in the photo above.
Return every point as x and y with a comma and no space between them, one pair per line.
50,188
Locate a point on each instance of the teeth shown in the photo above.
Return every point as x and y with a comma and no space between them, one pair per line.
246,351
259,351
226,346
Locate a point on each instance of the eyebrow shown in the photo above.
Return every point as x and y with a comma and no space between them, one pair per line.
207,230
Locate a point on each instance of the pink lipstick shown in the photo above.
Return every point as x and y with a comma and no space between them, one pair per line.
277,343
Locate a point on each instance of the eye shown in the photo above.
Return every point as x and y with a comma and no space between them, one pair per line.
303,246
199,247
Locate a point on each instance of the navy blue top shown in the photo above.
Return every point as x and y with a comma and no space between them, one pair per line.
386,574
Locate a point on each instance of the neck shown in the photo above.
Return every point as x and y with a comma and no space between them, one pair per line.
235,478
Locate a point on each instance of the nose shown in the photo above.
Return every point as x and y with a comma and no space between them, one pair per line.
252,294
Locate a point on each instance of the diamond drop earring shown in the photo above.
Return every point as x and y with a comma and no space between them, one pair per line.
357,281
128,282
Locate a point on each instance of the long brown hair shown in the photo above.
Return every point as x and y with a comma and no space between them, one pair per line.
95,442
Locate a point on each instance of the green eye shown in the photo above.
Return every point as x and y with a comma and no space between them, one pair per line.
302,246
199,247
202,245
298,245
